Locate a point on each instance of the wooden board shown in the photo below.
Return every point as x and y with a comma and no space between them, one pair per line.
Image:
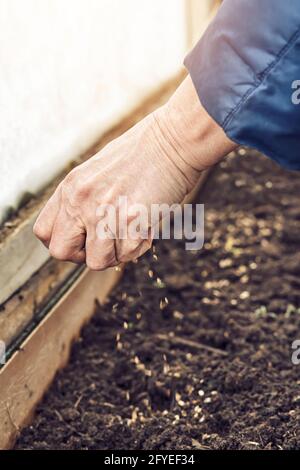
17,312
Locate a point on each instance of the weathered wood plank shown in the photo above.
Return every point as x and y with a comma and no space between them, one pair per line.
17,312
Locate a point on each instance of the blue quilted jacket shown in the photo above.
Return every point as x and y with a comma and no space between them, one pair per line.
246,69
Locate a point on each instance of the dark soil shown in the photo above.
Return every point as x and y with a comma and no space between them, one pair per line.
141,377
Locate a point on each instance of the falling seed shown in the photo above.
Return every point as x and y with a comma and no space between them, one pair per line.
253,265
202,419
124,296
125,325
201,393
207,400
233,302
150,273
118,336
115,307
138,316
155,257
127,396
163,303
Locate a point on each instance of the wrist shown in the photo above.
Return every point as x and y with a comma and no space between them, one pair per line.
199,140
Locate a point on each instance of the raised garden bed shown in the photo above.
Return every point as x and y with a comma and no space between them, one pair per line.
193,350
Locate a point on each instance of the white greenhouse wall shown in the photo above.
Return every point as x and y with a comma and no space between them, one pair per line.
69,69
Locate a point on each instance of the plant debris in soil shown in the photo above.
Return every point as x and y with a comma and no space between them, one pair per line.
193,349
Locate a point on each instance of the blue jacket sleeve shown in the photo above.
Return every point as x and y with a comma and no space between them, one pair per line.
246,70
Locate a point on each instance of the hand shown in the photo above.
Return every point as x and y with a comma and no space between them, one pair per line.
157,161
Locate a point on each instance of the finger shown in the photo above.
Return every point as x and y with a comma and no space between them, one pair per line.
100,252
68,239
130,250
44,224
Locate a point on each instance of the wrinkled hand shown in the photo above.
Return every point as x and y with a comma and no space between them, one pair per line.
154,162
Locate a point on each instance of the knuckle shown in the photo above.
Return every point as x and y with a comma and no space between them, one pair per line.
96,266
105,262
58,252
40,231
82,192
75,186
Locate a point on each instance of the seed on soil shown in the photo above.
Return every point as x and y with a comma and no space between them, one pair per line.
244,295
178,315
159,283
225,263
